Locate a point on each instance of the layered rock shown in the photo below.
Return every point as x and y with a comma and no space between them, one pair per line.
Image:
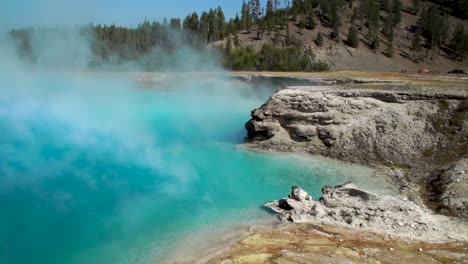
450,188
349,206
415,132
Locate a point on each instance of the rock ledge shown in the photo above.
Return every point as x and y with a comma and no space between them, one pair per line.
414,132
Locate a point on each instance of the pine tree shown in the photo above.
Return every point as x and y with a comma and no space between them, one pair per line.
310,21
387,28
416,45
255,9
302,21
175,24
353,39
297,7
319,40
204,27
374,39
220,23
434,26
389,51
333,10
228,48
269,9
465,47
284,21
373,19
246,16
194,22
458,41
396,12
236,41
211,25
237,22
363,12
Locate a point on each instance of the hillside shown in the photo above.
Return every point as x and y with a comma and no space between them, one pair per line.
341,56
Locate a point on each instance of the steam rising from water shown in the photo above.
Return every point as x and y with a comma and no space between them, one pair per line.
96,168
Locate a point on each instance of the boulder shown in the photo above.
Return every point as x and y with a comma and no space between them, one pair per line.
298,194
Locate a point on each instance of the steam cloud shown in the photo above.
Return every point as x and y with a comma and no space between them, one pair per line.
69,133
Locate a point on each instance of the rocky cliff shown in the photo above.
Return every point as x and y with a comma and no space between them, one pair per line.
419,133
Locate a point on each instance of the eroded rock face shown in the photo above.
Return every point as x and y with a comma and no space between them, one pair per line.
349,206
380,126
418,131
450,189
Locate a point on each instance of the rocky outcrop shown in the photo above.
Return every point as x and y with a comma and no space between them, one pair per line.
450,189
349,206
351,225
415,131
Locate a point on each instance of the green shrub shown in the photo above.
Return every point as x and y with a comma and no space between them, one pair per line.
272,58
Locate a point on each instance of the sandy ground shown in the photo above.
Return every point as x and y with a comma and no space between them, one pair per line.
201,246
404,80
396,78
303,243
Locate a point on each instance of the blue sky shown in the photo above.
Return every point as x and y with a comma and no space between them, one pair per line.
20,13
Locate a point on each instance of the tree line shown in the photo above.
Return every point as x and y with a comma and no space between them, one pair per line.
369,18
